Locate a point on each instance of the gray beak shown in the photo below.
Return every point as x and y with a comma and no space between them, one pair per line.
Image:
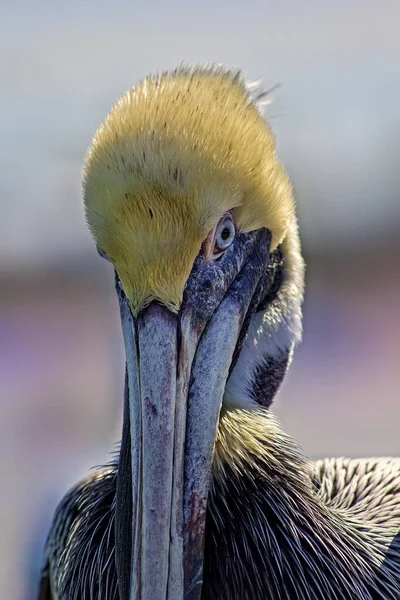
177,368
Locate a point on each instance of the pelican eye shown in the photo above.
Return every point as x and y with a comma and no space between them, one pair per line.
224,235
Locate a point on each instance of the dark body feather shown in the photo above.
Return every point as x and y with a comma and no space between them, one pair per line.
277,528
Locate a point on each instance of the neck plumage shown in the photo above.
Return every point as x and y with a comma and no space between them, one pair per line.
271,534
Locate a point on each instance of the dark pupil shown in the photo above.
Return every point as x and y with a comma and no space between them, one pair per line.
225,234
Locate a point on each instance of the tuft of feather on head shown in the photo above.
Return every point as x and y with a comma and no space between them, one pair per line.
172,156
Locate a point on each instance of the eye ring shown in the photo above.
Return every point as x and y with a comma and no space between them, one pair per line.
224,235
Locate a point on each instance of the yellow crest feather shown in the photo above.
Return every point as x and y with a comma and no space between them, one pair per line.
170,159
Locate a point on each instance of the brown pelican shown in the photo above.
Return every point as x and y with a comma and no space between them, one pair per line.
209,497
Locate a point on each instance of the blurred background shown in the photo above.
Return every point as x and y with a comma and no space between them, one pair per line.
337,121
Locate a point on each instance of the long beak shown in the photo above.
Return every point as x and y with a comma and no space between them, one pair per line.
177,368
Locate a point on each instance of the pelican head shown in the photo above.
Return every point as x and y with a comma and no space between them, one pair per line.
185,196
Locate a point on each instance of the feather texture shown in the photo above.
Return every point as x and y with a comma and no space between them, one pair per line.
278,527
174,154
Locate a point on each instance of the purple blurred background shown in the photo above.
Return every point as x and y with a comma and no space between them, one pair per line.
337,121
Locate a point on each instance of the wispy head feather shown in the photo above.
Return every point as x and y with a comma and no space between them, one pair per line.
171,158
